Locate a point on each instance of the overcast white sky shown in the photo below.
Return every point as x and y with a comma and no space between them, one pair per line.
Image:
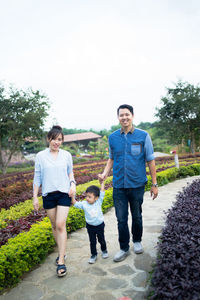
90,56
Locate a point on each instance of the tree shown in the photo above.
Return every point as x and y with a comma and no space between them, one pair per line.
93,145
180,114
73,130
73,148
145,125
115,127
103,147
22,116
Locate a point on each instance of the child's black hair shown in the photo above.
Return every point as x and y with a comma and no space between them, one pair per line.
94,190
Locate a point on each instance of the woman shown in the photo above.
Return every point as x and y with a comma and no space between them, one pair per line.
54,171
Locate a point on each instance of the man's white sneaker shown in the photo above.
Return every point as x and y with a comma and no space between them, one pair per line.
104,254
92,259
137,247
121,255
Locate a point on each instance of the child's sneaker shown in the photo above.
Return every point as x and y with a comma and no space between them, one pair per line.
92,259
104,254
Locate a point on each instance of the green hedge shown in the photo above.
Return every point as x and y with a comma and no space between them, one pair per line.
27,249
17,211
24,251
172,174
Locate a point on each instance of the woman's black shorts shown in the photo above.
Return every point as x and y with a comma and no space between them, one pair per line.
54,199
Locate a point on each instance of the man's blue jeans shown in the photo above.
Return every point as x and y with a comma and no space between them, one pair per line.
122,199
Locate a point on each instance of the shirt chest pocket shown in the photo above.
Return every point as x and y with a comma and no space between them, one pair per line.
136,149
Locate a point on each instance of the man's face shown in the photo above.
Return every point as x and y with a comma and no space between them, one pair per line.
125,117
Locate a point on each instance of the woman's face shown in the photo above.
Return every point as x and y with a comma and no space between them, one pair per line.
55,144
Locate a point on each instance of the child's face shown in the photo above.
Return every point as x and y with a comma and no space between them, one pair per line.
91,198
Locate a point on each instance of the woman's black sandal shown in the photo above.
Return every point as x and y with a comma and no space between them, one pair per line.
57,259
63,268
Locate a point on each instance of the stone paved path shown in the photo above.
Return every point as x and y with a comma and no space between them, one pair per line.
105,280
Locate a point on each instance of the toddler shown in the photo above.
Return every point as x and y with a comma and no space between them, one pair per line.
94,219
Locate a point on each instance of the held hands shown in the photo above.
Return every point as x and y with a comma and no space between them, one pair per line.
154,192
101,177
101,181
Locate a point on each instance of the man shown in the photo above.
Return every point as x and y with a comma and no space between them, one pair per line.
129,150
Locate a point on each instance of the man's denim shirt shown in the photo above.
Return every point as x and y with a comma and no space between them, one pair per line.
130,152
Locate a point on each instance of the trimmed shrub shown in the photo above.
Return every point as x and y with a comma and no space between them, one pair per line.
15,227
16,211
24,251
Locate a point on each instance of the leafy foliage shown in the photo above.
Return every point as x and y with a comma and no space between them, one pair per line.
17,211
179,116
22,116
14,227
24,251
176,275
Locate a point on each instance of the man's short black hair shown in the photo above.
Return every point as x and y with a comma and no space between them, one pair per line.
129,107
93,189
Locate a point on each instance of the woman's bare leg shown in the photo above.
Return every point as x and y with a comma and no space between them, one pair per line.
61,233
51,213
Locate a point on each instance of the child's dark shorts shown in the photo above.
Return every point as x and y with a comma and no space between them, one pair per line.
54,199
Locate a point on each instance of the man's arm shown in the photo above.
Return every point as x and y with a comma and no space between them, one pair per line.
152,170
107,169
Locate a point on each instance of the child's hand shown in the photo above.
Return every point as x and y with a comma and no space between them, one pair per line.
102,185
101,180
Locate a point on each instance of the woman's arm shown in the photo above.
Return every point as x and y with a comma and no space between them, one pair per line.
36,183
72,190
35,197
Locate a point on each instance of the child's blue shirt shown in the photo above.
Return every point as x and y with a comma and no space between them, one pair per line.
93,212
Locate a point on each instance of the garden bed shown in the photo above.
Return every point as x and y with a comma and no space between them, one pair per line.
176,274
